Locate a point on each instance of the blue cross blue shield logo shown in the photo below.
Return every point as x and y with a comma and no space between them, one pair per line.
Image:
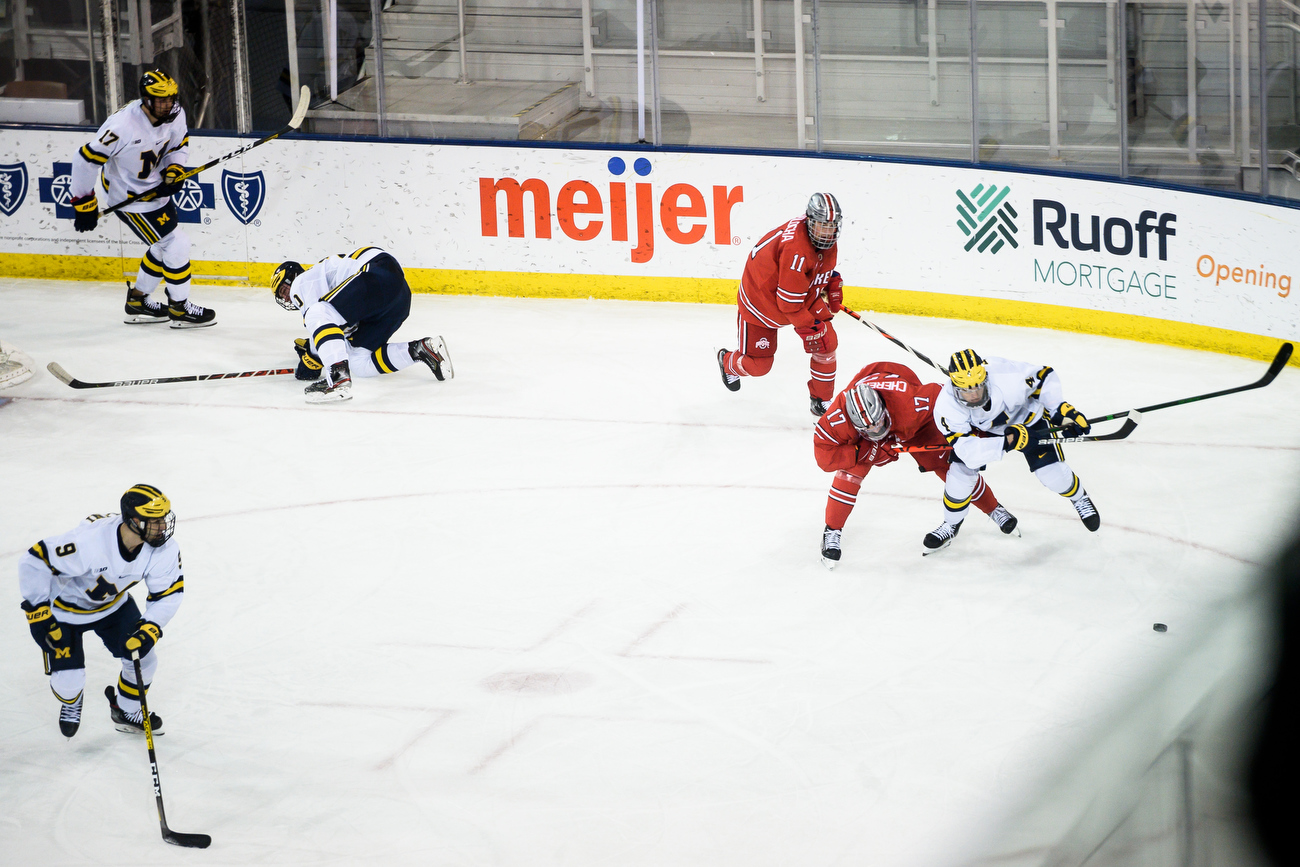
13,187
192,198
244,194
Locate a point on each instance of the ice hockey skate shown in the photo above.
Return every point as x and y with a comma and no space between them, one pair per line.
1005,520
831,548
187,314
131,723
939,538
334,387
70,716
731,382
141,309
1087,512
433,352
816,406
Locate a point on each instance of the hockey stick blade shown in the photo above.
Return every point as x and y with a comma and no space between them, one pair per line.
300,112
68,379
1275,367
1132,420
189,841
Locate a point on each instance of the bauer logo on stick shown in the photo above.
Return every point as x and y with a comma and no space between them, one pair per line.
244,194
13,187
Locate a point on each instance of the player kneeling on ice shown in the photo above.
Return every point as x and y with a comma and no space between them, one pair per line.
885,407
78,581
1013,402
351,305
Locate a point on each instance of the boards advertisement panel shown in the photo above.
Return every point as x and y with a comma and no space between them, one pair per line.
966,242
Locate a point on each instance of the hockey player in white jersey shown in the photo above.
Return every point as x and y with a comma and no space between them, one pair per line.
1011,403
141,147
351,305
77,582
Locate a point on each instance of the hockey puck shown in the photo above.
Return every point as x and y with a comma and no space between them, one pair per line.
1159,627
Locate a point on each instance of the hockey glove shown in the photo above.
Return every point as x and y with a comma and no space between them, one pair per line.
876,454
309,366
1017,437
172,181
835,292
45,629
814,337
146,635
1070,418
86,213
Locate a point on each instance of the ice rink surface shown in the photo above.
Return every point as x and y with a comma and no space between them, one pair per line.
568,609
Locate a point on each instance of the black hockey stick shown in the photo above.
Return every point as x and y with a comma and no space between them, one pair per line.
1133,418
885,334
1279,362
300,112
67,378
176,838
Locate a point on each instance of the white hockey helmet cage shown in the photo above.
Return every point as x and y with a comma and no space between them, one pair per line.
824,218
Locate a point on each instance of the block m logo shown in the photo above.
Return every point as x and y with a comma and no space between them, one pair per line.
987,219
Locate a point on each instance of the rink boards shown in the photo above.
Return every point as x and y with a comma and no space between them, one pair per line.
1087,255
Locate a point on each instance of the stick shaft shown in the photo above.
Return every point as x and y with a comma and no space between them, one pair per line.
885,334
63,376
148,739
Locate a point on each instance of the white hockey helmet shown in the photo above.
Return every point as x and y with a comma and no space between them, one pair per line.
867,411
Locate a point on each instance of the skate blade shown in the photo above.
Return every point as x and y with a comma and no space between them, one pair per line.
928,551
830,564
194,324
128,729
335,397
448,372
142,319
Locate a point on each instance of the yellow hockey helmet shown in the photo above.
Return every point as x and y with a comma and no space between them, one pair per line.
282,283
154,85
148,513
968,374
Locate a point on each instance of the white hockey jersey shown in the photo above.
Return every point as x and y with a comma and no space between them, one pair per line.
1018,393
315,288
84,576
128,155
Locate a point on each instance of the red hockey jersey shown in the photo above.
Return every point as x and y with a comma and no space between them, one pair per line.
784,279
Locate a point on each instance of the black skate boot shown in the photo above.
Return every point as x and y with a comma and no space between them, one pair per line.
1087,512
187,314
131,723
831,548
333,387
817,406
140,310
731,382
70,715
433,352
1005,520
941,537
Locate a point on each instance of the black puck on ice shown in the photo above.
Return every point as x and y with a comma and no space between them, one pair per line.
1159,627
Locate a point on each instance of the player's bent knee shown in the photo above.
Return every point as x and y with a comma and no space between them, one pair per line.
755,366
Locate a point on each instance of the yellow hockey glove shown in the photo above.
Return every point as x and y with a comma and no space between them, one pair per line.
146,635
1067,416
1017,438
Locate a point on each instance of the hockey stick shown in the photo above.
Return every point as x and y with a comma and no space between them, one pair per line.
1279,362
67,378
176,838
885,334
300,112
1134,418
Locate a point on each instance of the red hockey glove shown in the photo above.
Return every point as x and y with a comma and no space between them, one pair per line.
835,292
814,337
876,454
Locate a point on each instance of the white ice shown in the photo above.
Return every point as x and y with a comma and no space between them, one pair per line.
567,609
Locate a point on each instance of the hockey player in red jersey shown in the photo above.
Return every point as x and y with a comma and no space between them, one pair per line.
784,280
885,406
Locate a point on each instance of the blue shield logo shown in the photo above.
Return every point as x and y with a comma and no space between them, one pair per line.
244,194
13,187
